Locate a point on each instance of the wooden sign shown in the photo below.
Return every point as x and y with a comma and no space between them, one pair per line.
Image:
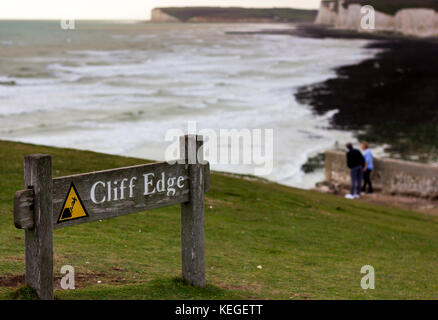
111,193
48,204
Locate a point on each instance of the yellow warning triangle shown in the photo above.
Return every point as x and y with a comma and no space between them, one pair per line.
73,207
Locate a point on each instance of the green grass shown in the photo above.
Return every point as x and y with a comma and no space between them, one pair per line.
284,14
310,245
392,6
24,293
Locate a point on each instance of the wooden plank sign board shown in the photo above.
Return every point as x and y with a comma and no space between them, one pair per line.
47,204
111,193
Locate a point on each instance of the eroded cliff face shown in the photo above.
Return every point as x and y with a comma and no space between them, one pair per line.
414,22
326,15
157,15
419,22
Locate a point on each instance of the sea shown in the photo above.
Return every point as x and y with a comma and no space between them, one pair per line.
118,86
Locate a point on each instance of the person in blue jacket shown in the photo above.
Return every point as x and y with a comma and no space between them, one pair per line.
368,168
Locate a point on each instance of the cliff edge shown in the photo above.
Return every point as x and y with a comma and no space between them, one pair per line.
158,15
414,21
232,14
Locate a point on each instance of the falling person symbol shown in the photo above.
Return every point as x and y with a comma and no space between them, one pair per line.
73,208
67,213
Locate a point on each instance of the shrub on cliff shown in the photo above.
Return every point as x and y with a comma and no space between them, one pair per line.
392,6
283,14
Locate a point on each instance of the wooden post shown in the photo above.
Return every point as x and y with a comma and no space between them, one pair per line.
39,239
192,213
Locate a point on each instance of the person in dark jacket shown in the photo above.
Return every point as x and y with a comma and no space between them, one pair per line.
356,162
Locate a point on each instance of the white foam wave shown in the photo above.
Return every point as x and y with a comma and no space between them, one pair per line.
123,101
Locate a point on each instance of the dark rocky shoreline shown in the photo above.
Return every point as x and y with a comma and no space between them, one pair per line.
390,99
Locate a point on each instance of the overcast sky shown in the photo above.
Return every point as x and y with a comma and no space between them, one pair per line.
121,9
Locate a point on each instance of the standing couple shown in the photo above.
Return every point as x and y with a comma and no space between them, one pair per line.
360,166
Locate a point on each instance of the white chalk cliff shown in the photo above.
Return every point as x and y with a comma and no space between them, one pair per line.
416,22
327,14
158,15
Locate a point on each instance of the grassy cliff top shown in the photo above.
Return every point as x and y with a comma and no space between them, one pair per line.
392,6
308,245
285,14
